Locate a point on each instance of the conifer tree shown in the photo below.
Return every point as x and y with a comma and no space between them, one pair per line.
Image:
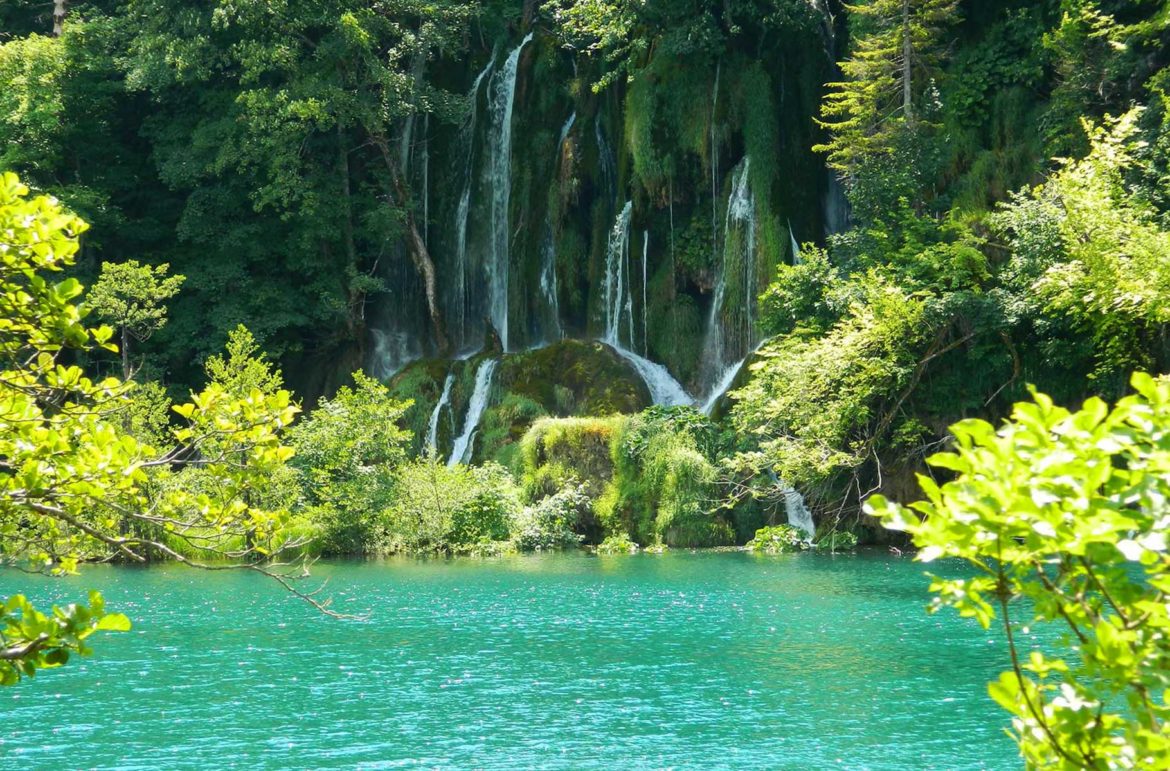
896,51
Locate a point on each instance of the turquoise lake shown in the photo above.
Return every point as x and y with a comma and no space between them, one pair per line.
682,660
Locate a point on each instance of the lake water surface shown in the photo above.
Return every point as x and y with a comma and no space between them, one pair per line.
707,660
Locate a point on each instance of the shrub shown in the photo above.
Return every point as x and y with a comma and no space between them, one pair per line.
617,544
450,510
552,522
838,540
778,539
347,451
663,488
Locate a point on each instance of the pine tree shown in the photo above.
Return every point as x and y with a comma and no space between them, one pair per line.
897,49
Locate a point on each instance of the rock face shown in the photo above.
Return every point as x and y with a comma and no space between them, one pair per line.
572,377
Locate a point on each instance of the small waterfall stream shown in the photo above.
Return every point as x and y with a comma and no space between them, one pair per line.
463,210
616,288
461,451
606,161
664,389
432,444
548,268
798,514
645,304
721,386
730,329
501,94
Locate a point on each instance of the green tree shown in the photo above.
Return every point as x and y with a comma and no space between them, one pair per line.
133,298
72,477
896,51
1088,251
348,451
243,367
451,510
1063,516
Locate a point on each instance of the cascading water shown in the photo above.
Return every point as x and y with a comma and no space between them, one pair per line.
548,268
796,259
664,389
730,326
432,444
501,94
616,289
394,345
645,305
461,451
724,383
798,514
467,140
715,166
606,162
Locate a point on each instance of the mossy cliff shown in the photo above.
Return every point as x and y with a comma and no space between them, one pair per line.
678,270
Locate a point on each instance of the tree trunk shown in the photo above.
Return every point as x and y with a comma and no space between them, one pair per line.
419,254
59,9
907,62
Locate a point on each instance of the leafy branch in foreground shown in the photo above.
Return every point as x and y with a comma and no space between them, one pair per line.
75,486
1065,515
31,640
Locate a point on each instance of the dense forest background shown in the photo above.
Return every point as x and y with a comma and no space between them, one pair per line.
900,213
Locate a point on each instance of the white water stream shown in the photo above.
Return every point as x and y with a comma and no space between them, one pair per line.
432,444
501,95
461,451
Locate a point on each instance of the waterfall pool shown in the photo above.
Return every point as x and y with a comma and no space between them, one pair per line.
681,660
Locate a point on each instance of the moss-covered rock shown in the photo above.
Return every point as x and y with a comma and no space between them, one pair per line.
569,378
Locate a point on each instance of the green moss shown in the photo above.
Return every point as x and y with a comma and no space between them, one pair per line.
422,383
662,490
676,336
502,427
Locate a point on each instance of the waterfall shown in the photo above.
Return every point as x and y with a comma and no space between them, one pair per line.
664,389
467,138
796,259
798,514
548,287
565,130
715,167
721,385
616,256
461,451
836,206
432,444
730,328
393,350
645,327
548,270
501,92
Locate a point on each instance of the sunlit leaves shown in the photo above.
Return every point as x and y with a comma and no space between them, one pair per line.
75,484
1068,511
31,639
